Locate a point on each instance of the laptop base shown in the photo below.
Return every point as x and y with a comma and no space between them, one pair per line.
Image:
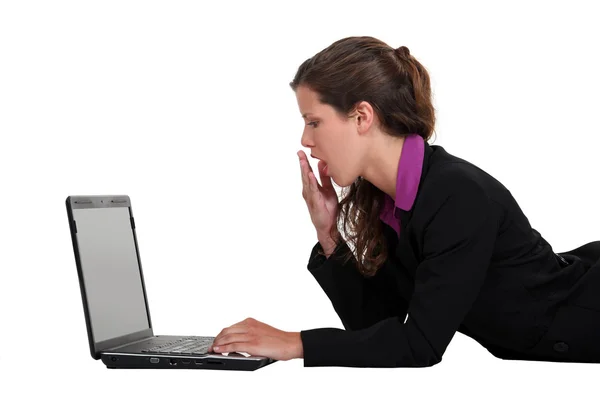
233,361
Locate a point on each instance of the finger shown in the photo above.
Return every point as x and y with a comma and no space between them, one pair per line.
220,334
303,171
309,166
302,160
255,347
232,338
314,185
320,202
244,347
308,172
325,180
304,157
238,334
242,327
236,328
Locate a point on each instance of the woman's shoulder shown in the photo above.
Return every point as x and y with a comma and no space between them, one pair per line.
450,174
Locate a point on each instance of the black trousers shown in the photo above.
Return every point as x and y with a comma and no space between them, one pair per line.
574,333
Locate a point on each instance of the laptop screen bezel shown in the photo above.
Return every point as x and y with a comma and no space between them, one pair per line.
105,201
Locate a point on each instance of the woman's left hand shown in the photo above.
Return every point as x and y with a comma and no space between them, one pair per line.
258,339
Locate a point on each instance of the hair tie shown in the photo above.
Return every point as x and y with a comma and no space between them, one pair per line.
403,51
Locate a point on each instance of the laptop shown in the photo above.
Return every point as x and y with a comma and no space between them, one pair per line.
115,302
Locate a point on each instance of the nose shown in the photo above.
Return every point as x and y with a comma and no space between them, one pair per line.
305,140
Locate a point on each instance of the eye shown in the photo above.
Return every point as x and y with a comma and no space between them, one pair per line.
314,124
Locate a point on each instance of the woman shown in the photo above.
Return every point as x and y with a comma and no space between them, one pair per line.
440,246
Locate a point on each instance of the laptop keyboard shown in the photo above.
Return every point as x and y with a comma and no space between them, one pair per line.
187,345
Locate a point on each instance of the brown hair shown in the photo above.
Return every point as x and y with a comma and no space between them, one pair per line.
397,86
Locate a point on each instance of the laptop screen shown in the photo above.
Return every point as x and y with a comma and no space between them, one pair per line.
111,272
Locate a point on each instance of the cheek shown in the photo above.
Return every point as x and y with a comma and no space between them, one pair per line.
345,148
338,146
342,155
340,139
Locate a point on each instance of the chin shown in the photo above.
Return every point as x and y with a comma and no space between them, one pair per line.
340,182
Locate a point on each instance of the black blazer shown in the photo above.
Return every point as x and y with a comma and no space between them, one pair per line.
466,260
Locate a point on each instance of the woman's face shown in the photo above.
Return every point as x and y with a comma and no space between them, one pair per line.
330,137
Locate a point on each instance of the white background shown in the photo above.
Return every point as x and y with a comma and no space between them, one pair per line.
186,108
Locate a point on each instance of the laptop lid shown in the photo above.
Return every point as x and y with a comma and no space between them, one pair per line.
109,269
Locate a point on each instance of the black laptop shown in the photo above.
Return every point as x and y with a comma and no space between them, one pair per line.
114,297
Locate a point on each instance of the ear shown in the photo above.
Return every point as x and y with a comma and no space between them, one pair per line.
364,115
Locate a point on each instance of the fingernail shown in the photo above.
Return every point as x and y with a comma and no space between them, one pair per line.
216,348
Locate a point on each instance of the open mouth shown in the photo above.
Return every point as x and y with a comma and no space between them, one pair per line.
325,168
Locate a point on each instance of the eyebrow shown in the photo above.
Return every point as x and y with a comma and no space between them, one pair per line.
304,115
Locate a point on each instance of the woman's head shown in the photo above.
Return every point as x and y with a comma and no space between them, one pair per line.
332,137
358,90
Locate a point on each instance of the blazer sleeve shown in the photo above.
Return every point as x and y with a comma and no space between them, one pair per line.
458,244
359,301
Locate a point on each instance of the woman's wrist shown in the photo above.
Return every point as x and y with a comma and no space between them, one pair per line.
327,243
297,349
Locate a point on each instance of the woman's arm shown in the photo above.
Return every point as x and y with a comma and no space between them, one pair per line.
358,300
458,245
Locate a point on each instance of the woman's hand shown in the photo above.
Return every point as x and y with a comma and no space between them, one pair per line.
321,200
258,339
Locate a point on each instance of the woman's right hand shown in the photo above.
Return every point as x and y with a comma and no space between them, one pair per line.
322,200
